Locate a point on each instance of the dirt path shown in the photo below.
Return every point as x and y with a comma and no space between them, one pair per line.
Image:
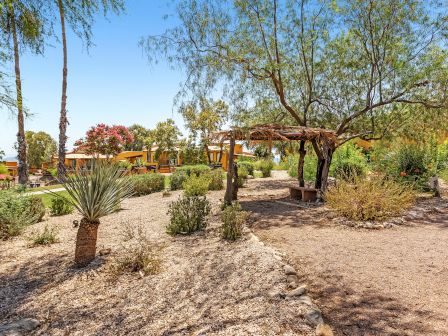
367,282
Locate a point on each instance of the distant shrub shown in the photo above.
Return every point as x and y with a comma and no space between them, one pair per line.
309,167
177,179
196,185
188,214
3,169
18,211
377,199
60,206
46,237
233,220
145,184
248,165
348,162
53,171
216,179
194,170
265,166
242,176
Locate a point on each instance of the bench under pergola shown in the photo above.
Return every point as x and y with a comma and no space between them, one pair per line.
323,141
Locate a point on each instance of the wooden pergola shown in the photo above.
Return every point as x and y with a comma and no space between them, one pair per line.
323,141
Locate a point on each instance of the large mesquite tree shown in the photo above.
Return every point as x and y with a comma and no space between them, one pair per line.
351,66
104,140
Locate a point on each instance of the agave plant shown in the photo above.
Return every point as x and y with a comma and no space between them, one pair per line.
95,194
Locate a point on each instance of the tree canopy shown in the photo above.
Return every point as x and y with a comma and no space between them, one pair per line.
166,136
41,148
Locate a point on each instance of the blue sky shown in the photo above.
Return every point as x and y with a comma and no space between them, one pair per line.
112,83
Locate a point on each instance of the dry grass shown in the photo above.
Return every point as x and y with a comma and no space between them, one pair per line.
370,199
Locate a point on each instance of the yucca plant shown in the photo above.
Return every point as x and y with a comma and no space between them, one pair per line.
95,194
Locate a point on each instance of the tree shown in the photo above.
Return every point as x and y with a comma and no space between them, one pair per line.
79,15
142,138
104,140
21,27
205,117
95,195
2,154
41,148
166,136
346,66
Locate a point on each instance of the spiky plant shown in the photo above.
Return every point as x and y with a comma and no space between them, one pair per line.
95,194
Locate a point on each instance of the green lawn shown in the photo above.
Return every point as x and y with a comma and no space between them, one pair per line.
46,198
56,186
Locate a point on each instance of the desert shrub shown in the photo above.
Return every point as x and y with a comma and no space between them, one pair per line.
196,185
188,214
125,165
242,176
18,211
248,165
139,255
348,162
232,222
3,169
309,167
216,179
376,199
60,206
145,184
265,166
46,237
177,179
53,171
194,170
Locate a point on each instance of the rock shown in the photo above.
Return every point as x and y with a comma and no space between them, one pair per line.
314,316
291,278
104,251
292,285
299,291
277,295
18,328
324,330
305,300
289,270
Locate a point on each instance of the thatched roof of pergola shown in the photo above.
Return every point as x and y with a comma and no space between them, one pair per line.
275,132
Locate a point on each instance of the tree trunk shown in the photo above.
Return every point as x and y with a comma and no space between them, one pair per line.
21,141
301,164
208,153
235,182
63,115
228,198
221,145
86,242
326,168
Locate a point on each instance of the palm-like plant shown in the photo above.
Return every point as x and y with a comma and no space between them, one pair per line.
95,194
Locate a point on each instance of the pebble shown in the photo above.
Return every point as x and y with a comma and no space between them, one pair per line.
299,291
18,328
289,270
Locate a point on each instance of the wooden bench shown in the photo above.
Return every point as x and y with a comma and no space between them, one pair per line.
304,194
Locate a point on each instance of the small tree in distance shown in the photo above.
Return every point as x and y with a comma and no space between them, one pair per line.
104,140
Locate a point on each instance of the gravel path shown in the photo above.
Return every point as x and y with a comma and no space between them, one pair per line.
367,282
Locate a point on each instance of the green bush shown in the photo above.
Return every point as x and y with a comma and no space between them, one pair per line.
18,211
194,170
60,206
232,222
265,166
309,167
145,184
3,169
348,162
53,171
46,237
216,179
250,167
177,179
188,214
196,185
242,176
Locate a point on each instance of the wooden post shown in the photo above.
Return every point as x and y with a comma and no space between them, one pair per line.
301,163
230,171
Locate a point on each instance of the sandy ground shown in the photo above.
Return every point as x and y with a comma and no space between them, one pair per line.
205,286
367,282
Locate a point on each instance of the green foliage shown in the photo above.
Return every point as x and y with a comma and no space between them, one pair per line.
265,166
166,136
53,171
60,206
196,185
309,167
348,161
233,220
188,214
177,179
18,211
40,148
194,170
376,199
242,176
145,184
125,165
193,155
143,137
99,192
46,237
250,166
3,169
216,179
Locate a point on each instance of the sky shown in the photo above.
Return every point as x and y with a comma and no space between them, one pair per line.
111,83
